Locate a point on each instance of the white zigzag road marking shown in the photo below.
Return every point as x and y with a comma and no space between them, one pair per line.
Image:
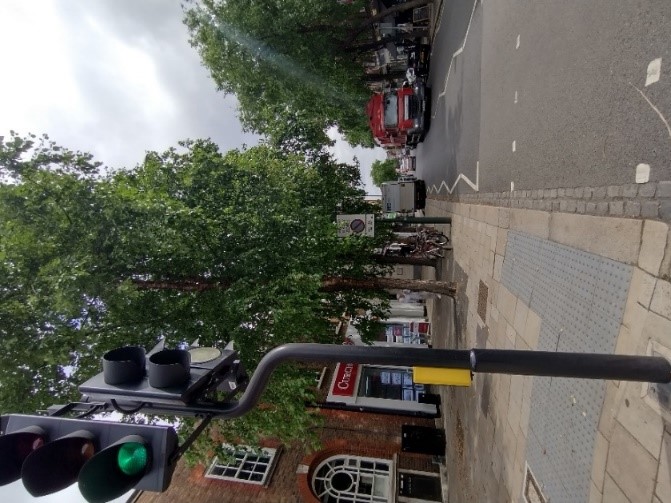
456,53
475,186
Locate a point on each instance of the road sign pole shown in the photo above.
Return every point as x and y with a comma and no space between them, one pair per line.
414,220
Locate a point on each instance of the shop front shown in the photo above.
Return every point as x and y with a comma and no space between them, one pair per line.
380,388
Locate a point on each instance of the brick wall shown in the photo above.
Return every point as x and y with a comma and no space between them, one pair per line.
343,432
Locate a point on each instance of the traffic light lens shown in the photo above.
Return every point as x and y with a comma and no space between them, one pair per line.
132,458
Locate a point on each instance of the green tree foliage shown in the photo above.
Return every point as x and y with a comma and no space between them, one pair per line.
384,171
192,243
286,64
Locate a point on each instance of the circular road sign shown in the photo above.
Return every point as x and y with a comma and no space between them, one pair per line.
357,225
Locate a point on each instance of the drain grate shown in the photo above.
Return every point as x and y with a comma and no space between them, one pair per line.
658,396
483,291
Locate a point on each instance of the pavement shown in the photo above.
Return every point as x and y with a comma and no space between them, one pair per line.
554,281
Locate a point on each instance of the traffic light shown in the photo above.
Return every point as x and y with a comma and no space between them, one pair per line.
106,458
163,377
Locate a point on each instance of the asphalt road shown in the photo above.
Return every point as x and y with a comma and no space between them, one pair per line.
548,94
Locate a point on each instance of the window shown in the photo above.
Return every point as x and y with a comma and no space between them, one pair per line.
244,465
391,383
390,110
352,479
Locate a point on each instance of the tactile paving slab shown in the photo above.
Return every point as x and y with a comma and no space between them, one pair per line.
580,298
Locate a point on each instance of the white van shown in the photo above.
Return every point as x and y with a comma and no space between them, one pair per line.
403,196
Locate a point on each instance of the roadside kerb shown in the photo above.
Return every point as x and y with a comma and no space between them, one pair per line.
651,200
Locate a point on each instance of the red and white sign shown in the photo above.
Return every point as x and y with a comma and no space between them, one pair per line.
344,382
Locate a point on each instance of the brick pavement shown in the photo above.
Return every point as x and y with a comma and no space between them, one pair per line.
532,279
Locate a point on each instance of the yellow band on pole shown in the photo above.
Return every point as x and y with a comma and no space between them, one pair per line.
441,376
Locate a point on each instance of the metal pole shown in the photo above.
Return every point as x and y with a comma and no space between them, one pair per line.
539,363
191,439
414,220
579,365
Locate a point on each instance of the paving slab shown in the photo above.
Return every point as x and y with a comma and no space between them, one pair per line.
557,291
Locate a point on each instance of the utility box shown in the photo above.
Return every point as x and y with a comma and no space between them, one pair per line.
423,440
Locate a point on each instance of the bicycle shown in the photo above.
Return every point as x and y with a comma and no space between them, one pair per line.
432,246
427,238
429,246
433,236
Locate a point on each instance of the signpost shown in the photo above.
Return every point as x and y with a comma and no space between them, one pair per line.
356,225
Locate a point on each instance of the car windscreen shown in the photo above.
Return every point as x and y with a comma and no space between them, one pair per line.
390,110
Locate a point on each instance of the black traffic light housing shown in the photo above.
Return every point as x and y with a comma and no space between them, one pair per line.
51,453
162,377
15,448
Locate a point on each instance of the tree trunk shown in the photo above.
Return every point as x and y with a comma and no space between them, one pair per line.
339,284
381,44
183,285
391,259
387,77
381,15
329,284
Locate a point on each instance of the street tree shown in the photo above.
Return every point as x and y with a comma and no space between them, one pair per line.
190,244
384,171
284,59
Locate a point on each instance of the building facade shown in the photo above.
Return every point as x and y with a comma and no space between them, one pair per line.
362,458
378,440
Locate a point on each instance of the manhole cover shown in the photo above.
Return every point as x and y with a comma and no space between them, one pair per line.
657,395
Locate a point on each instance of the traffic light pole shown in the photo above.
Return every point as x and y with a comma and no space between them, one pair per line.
107,459
537,363
403,219
191,438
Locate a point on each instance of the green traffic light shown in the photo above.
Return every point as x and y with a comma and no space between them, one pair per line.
132,458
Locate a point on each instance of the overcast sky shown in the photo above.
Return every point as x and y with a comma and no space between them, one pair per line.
115,78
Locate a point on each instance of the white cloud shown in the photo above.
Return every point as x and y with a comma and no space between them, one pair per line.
38,68
133,72
113,78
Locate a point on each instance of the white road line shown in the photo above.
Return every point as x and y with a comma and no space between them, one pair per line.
517,44
515,97
654,70
642,173
666,123
512,186
475,186
456,53
514,145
